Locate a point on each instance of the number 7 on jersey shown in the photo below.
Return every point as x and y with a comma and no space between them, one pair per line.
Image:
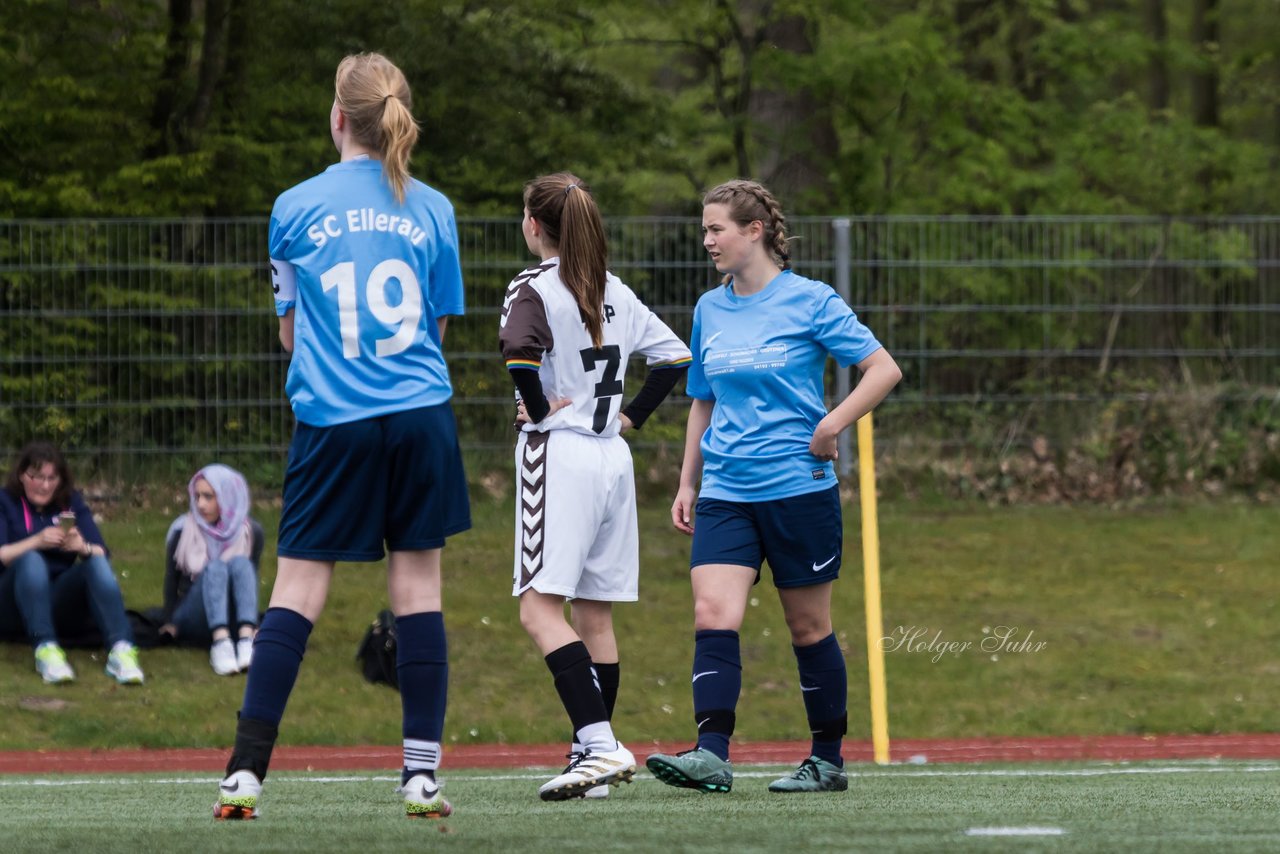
610,384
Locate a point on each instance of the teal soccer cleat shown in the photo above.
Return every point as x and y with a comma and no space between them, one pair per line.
693,769
813,775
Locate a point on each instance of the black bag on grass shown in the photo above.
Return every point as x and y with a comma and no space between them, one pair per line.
145,625
377,652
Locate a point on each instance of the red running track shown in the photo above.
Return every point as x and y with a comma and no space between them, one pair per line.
1115,748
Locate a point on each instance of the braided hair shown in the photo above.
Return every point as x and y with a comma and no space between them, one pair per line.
749,201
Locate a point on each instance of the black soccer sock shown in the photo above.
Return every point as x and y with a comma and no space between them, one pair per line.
570,666
608,676
422,662
277,656
607,679
825,689
717,682
254,742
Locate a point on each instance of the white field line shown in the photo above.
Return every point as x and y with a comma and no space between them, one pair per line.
1014,831
1209,767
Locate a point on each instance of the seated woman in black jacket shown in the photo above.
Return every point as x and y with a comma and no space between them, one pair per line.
55,576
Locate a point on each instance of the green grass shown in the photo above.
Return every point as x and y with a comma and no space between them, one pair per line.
1149,807
1157,619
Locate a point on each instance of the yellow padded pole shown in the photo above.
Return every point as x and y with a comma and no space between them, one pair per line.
871,582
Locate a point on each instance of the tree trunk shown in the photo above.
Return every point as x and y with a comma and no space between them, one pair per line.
213,60
1204,80
794,132
232,92
739,17
177,56
1157,26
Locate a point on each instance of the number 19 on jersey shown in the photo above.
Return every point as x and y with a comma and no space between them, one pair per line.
403,318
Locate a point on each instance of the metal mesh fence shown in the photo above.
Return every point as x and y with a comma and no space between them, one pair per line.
150,345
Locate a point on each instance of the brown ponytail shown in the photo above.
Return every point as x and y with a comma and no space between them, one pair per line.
565,209
374,96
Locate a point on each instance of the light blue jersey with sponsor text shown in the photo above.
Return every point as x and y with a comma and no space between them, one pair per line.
760,358
366,278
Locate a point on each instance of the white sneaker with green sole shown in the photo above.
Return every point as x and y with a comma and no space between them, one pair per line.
51,664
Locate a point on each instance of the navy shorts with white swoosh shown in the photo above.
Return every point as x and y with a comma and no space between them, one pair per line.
800,536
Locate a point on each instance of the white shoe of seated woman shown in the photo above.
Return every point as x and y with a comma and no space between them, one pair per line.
244,653
222,655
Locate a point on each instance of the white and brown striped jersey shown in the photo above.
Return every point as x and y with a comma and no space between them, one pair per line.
541,329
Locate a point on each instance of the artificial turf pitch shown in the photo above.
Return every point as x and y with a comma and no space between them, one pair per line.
1158,806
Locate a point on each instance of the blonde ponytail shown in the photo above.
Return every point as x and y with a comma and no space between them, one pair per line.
374,96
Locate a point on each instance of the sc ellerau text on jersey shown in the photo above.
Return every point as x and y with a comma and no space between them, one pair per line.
365,219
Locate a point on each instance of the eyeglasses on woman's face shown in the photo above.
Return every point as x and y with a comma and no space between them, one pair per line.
41,477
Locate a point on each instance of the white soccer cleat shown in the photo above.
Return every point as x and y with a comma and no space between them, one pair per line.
222,657
238,797
422,798
590,770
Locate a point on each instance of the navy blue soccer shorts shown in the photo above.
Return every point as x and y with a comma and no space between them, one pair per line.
395,479
801,536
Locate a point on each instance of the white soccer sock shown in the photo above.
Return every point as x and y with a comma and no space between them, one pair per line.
421,755
598,737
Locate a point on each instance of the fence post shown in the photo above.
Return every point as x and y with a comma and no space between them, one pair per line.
843,285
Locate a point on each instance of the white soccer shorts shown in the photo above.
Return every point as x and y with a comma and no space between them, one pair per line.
576,517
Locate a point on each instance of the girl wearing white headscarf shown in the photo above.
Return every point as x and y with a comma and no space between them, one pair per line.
211,583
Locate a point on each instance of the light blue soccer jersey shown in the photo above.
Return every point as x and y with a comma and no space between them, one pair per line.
367,279
760,358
